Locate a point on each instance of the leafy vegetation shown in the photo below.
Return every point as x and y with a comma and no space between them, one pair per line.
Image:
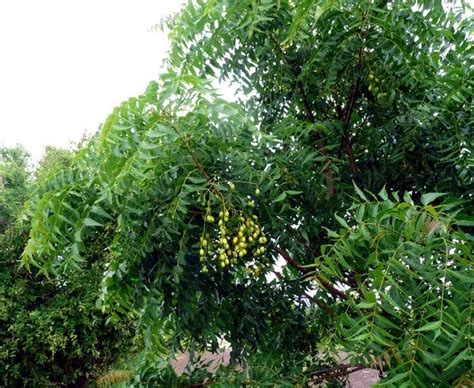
50,330
328,211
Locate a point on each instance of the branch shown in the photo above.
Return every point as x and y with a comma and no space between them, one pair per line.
309,114
291,261
346,118
320,304
337,371
306,271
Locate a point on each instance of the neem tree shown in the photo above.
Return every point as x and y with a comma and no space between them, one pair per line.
193,200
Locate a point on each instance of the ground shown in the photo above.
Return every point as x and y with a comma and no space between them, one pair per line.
364,378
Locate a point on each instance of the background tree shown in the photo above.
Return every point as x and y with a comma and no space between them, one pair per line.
194,202
50,329
14,183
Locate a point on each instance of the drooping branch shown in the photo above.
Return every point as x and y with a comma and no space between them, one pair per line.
307,271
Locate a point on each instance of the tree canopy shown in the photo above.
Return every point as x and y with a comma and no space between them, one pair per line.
51,332
326,210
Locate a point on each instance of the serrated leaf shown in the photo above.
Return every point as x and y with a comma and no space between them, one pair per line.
426,199
396,379
360,337
98,210
460,357
92,223
280,198
383,193
464,220
432,326
462,277
331,233
359,192
366,305
197,179
293,192
342,221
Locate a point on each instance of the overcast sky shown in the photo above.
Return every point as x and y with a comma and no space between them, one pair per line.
65,64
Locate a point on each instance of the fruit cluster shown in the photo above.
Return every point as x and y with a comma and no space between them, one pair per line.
235,238
375,86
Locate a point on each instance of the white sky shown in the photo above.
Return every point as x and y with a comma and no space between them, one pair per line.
64,64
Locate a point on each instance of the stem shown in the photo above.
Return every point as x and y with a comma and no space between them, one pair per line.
337,371
305,271
346,118
328,176
320,304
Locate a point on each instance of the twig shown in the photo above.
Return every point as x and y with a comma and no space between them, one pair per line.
306,271
337,371
316,301
346,140
309,114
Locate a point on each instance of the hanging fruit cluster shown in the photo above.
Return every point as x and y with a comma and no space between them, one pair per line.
375,86
237,237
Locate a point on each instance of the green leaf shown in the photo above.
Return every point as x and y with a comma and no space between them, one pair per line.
366,305
464,276
98,210
432,326
464,220
280,198
460,357
92,223
331,233
430,197
342,221
197,179
359,192
383,193
397,378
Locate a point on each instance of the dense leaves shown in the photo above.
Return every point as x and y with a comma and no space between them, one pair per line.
333,93
14,183
411,302
50,330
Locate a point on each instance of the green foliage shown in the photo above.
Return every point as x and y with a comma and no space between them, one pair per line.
336,92
50,330
14,183
52,162
411,304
